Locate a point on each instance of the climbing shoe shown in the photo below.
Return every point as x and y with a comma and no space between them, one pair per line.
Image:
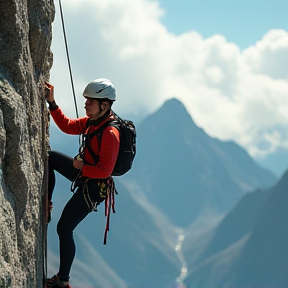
49,211
55,282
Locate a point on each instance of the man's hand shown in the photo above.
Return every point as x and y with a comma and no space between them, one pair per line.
49,92
78,164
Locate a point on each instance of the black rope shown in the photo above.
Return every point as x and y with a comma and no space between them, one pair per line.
68,59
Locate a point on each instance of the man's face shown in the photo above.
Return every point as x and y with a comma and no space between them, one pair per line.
92,107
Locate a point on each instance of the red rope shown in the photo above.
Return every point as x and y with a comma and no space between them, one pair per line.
109,202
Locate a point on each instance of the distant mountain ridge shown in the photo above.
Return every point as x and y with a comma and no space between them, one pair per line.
249,247
185,172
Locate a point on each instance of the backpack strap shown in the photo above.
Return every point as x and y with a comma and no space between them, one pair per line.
98,132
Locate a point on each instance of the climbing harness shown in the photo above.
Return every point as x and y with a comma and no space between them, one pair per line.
107,191
68,58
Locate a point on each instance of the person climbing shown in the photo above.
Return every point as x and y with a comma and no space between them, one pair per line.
91,178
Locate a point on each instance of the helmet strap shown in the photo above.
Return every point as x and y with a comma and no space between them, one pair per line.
100,103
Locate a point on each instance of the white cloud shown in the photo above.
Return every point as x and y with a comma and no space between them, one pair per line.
269,55
232,94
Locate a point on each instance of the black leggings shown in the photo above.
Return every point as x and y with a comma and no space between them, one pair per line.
63,164
73,213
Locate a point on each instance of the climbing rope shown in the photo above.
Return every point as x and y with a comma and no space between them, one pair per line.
68,58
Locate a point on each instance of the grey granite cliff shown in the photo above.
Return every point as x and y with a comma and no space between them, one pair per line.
25,62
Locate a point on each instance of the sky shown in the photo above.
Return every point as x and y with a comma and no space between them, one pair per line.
242,22
225,60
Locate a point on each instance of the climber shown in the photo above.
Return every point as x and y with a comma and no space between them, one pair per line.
91,181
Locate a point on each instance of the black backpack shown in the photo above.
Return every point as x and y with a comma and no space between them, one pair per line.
127,149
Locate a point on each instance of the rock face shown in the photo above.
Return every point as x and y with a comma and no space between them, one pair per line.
25,62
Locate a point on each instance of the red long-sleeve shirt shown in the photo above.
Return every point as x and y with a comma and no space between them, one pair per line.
107,151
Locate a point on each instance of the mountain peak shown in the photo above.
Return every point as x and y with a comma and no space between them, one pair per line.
171,117
175,110
173,102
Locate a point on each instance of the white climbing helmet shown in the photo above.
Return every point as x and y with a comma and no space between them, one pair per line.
100,89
